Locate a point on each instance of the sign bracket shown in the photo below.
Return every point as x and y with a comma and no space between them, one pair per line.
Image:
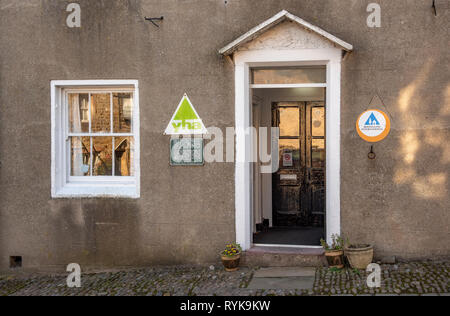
154,19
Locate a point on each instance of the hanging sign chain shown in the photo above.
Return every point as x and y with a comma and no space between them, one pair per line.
377,94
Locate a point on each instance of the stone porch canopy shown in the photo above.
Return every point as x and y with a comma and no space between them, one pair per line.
277,20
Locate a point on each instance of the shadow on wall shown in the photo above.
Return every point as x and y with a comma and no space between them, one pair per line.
422,163
405,203
421,140
94,232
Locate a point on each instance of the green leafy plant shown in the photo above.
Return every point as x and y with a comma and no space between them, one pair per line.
335,270
357,272
337,243
232,250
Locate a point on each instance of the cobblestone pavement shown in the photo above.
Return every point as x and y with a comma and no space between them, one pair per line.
400,279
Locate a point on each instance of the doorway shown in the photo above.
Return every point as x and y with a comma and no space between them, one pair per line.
321,85
297,214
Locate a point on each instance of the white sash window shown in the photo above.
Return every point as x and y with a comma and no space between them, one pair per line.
95,139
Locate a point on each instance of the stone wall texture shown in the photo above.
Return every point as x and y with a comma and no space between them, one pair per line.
400,201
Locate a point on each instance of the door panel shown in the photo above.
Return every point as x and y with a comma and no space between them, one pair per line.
316,161
288,181
299,184
289,122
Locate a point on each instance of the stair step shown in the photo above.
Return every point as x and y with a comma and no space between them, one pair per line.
285,272
283,257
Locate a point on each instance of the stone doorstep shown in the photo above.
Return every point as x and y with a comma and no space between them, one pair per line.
281,272
283,257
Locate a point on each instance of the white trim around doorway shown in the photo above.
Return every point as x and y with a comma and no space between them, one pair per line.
244,60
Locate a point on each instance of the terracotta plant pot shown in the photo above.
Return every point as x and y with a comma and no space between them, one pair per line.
335,258
359,256
231,263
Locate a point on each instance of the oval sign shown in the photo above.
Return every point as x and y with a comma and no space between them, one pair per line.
373,126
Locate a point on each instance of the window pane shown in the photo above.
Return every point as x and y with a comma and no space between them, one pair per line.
124,154
78,113
123,112
318,121
289,122
80,156
101,113
318,153
289,75
102,156
289,153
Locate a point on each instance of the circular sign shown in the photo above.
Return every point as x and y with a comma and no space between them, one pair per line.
373,126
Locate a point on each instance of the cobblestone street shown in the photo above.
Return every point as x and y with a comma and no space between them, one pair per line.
399,279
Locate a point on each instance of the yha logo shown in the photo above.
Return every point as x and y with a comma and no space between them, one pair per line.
188,125
185,120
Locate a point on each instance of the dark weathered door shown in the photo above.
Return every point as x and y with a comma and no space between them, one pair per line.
315,162
298,186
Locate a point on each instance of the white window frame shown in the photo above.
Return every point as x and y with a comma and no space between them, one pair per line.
66,186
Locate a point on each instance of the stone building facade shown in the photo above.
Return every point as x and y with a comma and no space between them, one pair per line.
399,202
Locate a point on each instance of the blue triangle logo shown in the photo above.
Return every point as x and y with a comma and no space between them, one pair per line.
372,120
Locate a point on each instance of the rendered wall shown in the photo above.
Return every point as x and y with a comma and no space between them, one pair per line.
400,202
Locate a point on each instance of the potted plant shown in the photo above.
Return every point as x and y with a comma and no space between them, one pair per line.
335,252
359,255
231,256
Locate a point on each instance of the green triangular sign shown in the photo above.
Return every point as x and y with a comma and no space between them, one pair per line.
185,120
